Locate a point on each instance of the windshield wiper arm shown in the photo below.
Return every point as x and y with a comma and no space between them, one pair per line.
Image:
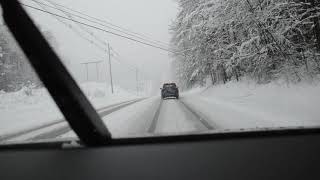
76,108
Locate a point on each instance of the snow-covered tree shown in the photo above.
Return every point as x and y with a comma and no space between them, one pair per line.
15,70
261,39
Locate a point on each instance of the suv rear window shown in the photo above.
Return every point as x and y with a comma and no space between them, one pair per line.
169,85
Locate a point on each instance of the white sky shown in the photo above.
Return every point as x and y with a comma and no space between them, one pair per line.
149,17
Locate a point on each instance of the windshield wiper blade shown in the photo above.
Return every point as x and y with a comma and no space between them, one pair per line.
76,108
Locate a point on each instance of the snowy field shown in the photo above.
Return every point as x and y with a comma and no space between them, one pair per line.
247,105
20,111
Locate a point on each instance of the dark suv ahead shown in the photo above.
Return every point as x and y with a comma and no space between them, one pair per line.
169,90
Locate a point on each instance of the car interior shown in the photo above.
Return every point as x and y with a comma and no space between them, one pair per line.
280,153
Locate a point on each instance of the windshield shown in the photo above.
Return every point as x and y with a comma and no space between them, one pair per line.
169,85
239,65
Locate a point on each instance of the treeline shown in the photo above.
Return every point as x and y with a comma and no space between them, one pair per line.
260,39
15,70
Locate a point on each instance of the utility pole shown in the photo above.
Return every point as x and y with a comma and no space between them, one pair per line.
110,69
87,68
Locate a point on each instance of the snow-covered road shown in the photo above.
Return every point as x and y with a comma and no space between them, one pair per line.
175,117
200,112
154,116
216,110
151,116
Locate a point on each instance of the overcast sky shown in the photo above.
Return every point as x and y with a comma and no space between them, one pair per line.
149,17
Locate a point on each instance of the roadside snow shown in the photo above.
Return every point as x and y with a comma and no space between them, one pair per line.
20,111
246,105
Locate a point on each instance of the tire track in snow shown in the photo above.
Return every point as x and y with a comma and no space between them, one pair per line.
193,117
154,122
199,117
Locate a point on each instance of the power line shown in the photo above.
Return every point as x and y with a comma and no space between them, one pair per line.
100,29
106,22
73,29
115,54
123,30
132,68
70,16
118,57
90,33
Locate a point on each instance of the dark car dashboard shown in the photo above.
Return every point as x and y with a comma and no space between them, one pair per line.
268,155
